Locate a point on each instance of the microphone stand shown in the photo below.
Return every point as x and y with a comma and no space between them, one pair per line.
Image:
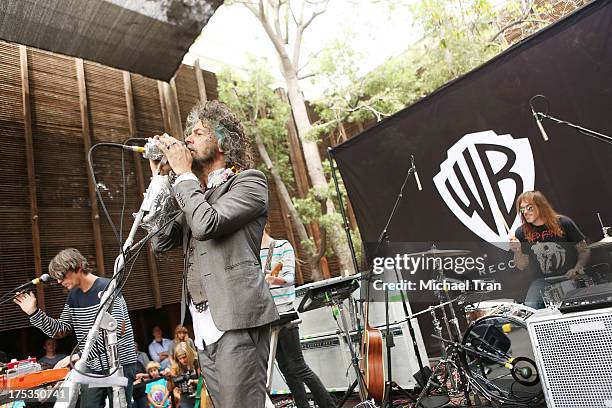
10,295
390,384
106,322
352,312
583,130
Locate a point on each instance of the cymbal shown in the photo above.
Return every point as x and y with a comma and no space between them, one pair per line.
435,252
604,243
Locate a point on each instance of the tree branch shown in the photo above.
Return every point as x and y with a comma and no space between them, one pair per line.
515,23
301,26
307,76
276,41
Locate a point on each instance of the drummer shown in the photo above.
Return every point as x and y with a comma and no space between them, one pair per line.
553,245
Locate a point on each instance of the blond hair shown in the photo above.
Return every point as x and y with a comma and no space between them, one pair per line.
547,213
152,365
183,349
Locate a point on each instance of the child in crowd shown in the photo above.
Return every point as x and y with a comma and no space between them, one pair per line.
157,390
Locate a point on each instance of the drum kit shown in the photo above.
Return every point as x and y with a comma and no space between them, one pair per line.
492,358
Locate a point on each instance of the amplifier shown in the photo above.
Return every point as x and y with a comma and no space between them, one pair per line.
329,357
573,352
592,297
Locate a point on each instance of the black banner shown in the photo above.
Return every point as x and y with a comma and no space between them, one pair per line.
477,147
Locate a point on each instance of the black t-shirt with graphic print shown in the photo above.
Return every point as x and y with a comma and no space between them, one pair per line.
549,254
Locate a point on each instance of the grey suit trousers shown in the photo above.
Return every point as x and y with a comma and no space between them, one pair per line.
235,367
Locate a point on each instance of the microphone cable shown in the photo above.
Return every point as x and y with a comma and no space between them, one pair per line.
121,277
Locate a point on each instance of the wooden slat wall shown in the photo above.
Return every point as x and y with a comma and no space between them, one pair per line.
59,166
149,121
109,123
62,193
16,253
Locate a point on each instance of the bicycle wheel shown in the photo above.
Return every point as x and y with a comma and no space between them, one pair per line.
502,361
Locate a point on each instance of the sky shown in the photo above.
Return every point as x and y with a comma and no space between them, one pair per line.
376,31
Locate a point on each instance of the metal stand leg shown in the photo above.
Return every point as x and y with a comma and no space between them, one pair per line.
338,309
272,357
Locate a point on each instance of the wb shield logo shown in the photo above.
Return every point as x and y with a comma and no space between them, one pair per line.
481,179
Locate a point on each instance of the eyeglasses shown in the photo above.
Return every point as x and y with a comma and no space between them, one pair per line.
63,278
529,207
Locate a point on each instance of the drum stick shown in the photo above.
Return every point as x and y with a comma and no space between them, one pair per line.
503,220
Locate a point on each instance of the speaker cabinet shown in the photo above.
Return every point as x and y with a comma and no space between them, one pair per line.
329,357
573,352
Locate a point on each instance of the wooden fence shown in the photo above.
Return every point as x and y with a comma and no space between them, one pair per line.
52,109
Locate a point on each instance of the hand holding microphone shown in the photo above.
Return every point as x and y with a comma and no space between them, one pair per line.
178,155
25,299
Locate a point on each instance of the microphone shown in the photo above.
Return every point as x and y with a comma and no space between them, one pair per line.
148,151
23,288
539,123
416,175
41,279
137,149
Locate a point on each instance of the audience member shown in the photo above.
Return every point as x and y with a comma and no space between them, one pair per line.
158,349
157,390
141,356
140,383
184,373
180,335
51,358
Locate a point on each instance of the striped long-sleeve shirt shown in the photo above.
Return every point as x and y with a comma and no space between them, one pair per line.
284,295
79,315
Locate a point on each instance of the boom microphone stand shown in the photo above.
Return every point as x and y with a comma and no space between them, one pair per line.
390,384
539,115
106,322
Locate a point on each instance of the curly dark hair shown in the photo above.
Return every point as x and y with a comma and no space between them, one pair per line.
230,134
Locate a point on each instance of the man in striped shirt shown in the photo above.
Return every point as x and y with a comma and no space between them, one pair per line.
289,350
71,270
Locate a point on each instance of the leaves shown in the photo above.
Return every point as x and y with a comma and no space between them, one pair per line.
458,36
261,111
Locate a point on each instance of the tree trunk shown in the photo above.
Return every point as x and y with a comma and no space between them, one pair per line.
314,163
313,260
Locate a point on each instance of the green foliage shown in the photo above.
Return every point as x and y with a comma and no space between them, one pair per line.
457,37
262,112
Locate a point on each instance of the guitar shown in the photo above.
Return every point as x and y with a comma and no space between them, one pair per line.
371,363
276,270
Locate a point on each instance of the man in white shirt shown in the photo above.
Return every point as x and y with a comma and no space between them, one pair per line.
159,348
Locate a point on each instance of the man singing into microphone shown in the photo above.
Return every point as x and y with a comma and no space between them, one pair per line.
71,270
223,209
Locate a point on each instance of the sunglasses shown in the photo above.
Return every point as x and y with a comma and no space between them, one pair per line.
526,208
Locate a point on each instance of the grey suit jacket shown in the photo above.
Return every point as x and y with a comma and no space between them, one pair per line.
227,223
